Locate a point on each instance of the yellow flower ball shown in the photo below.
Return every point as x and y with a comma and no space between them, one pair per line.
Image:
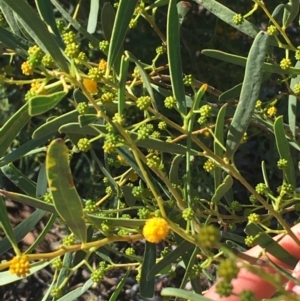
102,65
90,85
155,229
19,266
272,111
27,69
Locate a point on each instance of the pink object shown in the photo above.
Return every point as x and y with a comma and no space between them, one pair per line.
291,286
262,289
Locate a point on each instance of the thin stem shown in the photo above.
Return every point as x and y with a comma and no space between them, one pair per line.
262,5
153,24
150,184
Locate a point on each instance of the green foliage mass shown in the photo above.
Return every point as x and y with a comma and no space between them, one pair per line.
181,110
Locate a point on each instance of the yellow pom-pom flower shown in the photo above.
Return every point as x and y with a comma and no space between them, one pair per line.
19,266
27,69
90,85
102,65
272,111
155,229
285,63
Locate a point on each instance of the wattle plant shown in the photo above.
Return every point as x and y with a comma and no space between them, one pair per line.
117,148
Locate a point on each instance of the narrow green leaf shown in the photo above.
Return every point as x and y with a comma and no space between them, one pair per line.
10,18
123,17
48,291
128,196
14,42
22,229
19,179
74,138
218,150
195,281
119,287
226,15
173,173
25,30
116,222
277,14
284,151
236,90
169,258
12,127
106,251
145,77
73,295
41,184
265,174
270,245
222,189
28,200
292,115
291,10
292,104
232,93
75,24
113,184
79,96
53,125
157,3
87,119
249,94
184,294
43,103
23,150
174,56
269,126
93,16
294,144
65,271
241,61
166,147
5,224
198,98
129,158
41,34
229,194
46,13
108,16
187,258
234,237
147,286
65,197
196,105
122,84
45,231
284,272
164,92
183,7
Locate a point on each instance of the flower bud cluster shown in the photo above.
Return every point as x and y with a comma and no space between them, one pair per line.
145,131
84,144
